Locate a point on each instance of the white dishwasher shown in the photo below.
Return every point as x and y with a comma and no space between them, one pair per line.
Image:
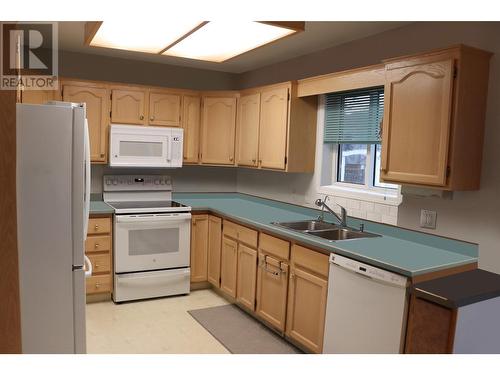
366,308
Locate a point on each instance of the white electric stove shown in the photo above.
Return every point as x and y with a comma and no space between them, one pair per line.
151,237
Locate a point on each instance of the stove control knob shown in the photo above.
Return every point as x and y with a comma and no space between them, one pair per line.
108,182
130,182
115,182
157,182
163,182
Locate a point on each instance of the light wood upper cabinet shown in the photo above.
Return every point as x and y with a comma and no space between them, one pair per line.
199,247
248,130
276,129
273,128
164,109
96,99
214,250
434,112
191,125
247,276
417,114
128,106
229,262
38,96
218,126
307,298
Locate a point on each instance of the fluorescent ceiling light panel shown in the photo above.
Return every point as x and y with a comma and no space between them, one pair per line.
142,35
220,41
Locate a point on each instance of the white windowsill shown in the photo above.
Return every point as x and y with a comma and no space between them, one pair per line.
362,194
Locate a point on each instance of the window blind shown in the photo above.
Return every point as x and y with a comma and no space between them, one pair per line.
354,116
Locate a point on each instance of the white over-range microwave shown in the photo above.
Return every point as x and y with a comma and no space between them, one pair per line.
145,146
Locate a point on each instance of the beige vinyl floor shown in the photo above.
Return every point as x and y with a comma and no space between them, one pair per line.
152,326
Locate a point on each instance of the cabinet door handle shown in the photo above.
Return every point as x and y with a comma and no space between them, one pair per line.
141,117
230,158
97,285
96,245
96,227
96,265
152,118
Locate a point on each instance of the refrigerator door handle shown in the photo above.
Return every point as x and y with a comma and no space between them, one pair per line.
87,180
88,267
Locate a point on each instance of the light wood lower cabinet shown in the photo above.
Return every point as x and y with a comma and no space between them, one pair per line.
214,250
272,280
229,263
307,298
247,276
98,248
199,248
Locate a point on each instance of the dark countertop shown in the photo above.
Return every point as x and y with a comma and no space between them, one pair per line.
461,289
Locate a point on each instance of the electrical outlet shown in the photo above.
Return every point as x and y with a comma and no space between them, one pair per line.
428,219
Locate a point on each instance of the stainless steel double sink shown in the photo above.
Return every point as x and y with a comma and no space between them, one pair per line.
322,229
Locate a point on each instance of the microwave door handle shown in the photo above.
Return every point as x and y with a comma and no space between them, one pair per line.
169,149
87,180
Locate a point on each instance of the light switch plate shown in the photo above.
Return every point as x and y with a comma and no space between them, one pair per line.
428,219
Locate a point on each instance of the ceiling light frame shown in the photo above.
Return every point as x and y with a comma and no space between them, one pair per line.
91,29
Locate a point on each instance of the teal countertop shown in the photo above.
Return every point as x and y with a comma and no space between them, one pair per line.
400,250
97,206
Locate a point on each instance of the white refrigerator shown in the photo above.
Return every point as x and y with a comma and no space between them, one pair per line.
53,193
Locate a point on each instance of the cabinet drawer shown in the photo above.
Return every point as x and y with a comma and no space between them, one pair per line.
274,246
98,284
99,225
97,243
311,260
240,233
101,263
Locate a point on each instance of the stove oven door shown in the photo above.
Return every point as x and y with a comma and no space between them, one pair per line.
152,241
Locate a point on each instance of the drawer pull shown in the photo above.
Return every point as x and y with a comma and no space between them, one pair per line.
96,245
96,265
97,285
96,227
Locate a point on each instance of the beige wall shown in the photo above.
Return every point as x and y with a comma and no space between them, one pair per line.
105,68
472,216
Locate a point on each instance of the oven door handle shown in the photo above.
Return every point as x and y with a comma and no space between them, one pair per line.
149,219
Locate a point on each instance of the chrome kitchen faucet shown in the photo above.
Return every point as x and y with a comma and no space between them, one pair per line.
322,203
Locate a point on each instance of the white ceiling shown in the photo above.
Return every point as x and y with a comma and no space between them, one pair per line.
317,36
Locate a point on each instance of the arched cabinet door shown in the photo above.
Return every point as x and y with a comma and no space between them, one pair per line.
164,109
273,128
97,106
248,130
417,119
218,127
128,106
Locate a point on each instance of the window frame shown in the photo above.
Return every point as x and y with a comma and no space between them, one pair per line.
366,192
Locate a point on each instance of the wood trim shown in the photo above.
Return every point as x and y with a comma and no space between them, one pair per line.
290,25
370,76
183,37
91,29
443,273
10,312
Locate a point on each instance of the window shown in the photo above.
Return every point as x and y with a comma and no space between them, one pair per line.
352,146
359,164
